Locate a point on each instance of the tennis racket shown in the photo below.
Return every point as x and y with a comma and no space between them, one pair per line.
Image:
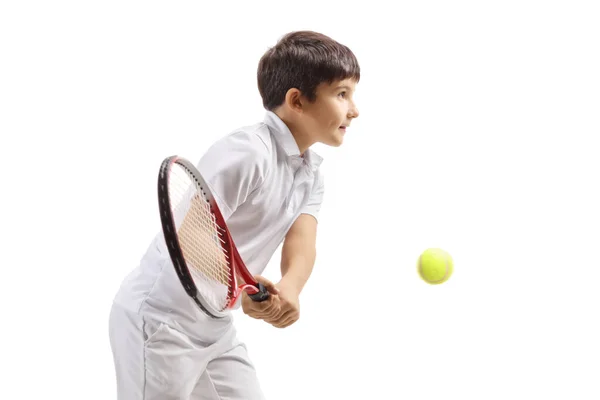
200,246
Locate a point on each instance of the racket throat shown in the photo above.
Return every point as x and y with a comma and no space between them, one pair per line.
250,289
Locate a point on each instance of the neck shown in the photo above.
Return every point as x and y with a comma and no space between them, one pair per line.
303,140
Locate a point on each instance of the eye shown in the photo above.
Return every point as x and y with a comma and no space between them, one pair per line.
342,94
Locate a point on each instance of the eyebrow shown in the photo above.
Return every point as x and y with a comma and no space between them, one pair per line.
343,87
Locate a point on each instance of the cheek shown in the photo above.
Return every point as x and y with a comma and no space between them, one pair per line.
330,115
328,119
337,116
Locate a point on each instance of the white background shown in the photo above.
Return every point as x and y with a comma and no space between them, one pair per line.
478,134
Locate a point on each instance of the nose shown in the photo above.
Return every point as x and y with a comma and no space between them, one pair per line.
353,111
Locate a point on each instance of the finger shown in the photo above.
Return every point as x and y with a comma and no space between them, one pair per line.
291,320
261,310
267,309
282,312
273,314
287,322
283,317
267,304
277,316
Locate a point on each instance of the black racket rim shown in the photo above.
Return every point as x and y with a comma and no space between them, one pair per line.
170,231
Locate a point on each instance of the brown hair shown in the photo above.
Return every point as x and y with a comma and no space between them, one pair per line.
303,60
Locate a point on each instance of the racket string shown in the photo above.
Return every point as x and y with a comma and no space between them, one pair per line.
201,238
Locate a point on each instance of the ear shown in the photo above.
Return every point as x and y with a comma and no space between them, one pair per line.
294,100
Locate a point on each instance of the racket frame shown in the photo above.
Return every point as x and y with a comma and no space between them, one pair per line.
255,289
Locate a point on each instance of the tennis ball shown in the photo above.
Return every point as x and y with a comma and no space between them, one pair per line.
435,266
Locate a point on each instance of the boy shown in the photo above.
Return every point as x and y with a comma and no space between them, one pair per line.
269,187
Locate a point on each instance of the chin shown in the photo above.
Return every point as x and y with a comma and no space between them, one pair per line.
334,142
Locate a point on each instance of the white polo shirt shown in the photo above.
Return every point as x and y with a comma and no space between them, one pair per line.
262,184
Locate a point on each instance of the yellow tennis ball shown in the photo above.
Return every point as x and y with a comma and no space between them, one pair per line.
435,266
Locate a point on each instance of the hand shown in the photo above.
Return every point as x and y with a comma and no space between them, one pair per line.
265,309
289,307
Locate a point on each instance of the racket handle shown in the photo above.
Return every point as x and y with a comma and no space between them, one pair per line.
261,295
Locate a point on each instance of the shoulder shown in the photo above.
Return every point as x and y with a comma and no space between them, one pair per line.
246,146
252,138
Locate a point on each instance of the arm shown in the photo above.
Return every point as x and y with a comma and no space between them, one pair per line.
297,260
299,253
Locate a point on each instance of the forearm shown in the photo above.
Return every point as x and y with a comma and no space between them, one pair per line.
297,261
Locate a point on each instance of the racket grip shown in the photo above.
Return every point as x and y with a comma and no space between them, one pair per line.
261,295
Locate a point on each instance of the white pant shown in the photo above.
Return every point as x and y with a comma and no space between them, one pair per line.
156,361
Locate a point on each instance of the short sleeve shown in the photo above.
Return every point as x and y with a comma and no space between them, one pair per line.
234,167
313,206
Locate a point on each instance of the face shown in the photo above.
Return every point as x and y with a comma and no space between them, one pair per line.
330,115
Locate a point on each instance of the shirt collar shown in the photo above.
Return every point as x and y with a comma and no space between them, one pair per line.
286,140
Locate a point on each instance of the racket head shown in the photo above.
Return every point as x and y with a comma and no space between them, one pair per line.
197,238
